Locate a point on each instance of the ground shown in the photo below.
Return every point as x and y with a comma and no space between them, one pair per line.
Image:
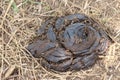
19,20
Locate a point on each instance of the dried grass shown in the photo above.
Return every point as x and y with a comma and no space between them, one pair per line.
19,20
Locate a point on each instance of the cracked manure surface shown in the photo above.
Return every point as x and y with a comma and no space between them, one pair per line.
71,42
